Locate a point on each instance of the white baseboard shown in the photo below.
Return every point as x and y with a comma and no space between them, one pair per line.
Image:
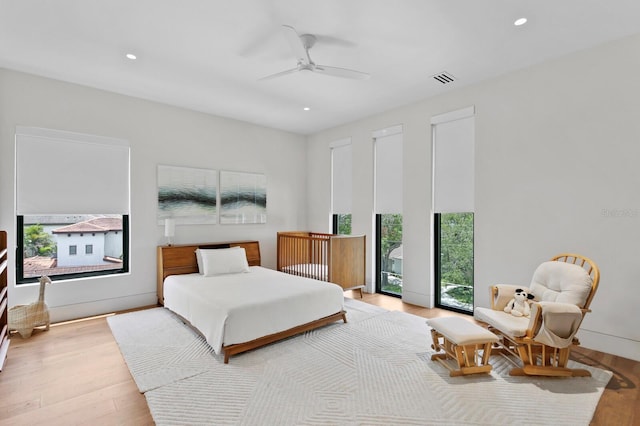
99,307
618,346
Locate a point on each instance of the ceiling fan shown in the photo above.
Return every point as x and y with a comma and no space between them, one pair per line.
300,45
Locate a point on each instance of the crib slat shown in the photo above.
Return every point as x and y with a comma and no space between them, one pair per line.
312,254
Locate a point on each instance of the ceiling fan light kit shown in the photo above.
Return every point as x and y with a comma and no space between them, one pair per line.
300,45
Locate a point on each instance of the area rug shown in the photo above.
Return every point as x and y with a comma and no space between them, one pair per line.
159,349
374,370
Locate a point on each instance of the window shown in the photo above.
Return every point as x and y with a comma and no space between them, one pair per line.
49,246
48,163
389,247
388,209
453,206
454,253
342,224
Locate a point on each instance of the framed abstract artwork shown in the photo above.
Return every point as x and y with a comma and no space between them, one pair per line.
187,195
243,198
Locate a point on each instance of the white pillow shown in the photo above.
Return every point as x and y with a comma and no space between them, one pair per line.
222,261
199,260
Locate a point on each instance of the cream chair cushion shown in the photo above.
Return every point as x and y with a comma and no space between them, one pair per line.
461,331
506,323
561,282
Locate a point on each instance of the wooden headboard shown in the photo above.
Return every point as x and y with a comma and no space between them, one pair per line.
181,259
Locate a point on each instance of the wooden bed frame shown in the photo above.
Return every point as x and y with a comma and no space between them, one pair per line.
343,256
181,259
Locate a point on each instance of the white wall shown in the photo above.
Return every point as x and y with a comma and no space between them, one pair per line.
158,134
557,149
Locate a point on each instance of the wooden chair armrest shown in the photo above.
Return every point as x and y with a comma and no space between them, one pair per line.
535,320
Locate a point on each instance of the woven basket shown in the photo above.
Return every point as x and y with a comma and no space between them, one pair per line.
24,318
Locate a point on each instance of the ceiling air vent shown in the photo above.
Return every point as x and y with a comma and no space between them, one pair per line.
444,77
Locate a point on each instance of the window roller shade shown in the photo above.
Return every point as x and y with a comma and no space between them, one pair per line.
62,172
341,178
388,179
453,164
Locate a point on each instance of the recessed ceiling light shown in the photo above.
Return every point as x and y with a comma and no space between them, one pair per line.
131,56
520,21
306,108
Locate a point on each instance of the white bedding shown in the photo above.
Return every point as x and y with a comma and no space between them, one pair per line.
309,270
237,308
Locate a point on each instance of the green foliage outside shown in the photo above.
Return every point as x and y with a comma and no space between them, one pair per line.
344,224
456,255
38,242
390,239
462,294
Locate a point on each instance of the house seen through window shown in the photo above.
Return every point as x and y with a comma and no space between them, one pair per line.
48,245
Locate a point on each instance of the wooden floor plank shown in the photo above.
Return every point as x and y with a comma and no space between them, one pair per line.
74,374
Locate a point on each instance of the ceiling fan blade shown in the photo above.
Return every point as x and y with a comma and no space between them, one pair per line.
342,72
279,74
297,47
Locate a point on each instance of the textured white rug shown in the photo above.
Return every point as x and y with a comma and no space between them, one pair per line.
374,370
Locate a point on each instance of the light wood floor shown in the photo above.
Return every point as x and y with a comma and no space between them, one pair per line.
74,374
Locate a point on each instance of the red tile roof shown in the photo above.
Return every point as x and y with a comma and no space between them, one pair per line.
100,224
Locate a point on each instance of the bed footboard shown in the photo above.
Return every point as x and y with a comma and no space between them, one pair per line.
262,341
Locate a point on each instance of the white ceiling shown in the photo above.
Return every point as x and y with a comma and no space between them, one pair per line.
207,55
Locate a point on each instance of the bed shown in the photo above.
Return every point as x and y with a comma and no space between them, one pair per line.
243,307
338,259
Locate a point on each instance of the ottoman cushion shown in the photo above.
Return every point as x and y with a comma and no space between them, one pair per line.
462,332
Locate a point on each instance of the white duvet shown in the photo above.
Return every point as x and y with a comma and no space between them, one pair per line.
237,308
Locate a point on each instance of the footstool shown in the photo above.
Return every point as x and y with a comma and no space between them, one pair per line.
461,340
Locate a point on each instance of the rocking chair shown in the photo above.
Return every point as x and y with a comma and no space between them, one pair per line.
563,289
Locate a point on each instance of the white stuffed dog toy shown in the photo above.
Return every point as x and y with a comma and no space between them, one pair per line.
519,305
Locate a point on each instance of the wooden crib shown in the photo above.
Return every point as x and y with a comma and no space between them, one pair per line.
339,259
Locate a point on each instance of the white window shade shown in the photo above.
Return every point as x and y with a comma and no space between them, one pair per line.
341,178
453,162
388,174
62,172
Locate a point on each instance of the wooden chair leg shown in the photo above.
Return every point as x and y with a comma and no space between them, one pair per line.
436,341
486,353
